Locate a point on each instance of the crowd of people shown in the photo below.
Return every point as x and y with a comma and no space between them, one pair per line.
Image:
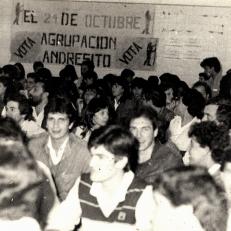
114,152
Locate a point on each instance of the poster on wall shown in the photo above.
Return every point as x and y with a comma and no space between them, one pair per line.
113,35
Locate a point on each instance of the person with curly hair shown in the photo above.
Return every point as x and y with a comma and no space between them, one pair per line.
188,198
208,142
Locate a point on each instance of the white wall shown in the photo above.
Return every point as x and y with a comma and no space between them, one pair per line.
5,38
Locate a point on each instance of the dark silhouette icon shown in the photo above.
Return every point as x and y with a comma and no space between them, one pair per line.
147,22
18,10
151,49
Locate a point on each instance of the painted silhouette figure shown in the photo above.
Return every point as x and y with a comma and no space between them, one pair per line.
18,10
151,49
147,22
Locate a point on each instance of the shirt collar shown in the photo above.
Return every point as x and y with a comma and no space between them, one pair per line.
56,156
97,189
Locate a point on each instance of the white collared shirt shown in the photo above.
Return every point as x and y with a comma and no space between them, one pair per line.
39,117
56,156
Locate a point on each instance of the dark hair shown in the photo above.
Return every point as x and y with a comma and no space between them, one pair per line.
37,64
89,63
209,134
44,73
223,115
21,71
127,72
204,76
20,180
225,87
118,141
211,62
157,96
207,88
59,104
23,105
194,102
95,105
195,186
10,130
147,112
68,72
139,83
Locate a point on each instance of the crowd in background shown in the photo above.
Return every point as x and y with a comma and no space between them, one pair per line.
114,152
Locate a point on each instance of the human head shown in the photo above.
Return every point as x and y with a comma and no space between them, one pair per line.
208,143
59,105
37,65
193,102
211,66
203,77
87,66
20,181
97,113
210,110
40,92
18,108
223,115
203,88
128,75
10,130
4,84
138,87
89,93
30,80
155,97
21,71
90,78
143,124
119,142
187,192
68,73
44,73
119,87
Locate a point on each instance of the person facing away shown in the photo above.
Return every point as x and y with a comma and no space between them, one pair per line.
110,197
61,151
154,157
188,198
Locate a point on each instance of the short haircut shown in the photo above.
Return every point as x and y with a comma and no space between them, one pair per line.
207,88
194,102
147,112
59,104
211,62
10,130
139,83
157,96
127,72
20,180
223,115
23,105
209,134
193,185
118,141
37,65
88,63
